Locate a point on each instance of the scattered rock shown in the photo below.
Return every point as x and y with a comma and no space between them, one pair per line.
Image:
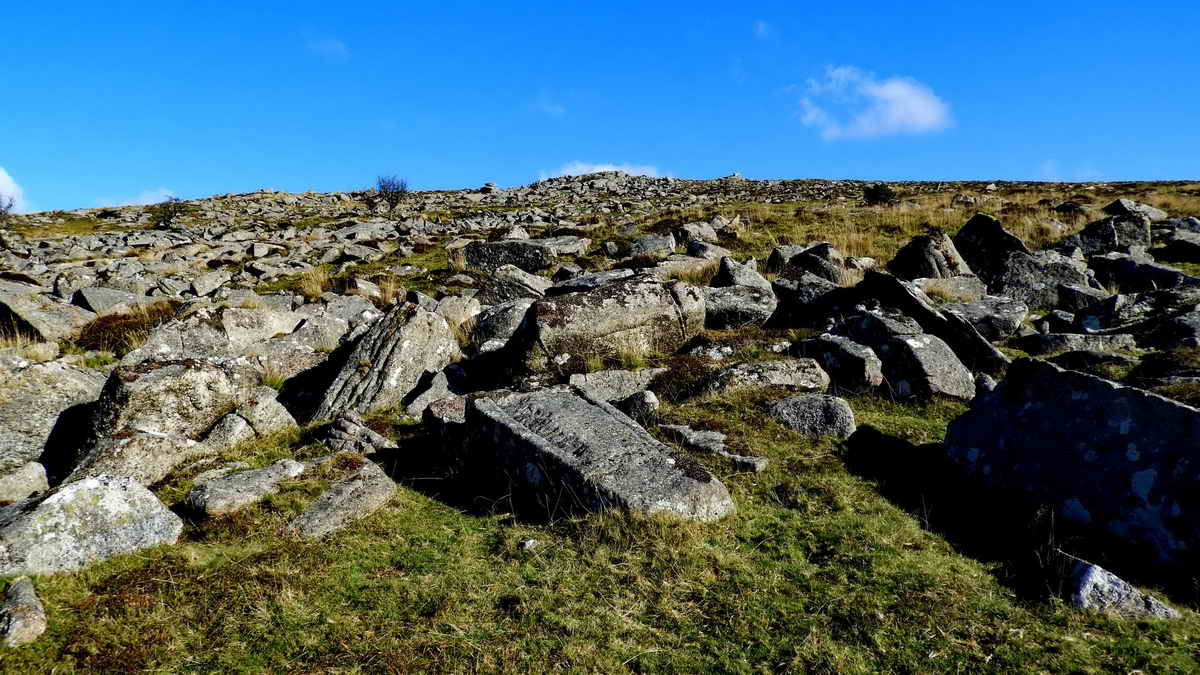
82,523
235,491
816,415
576,450
794,374
1095,588
22,616
364,492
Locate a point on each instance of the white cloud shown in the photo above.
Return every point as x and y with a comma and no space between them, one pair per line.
852,103
578,168
331,49
9,188
545,105
154,196
762,29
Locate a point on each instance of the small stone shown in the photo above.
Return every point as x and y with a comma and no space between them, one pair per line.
816,415
22,616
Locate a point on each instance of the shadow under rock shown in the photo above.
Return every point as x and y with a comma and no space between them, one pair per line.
994,526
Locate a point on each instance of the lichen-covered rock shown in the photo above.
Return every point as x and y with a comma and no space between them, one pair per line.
33,313
146,457
635,316
362,493
816,415
576,451
615,385
388,361
32,398
794,374
22,615
1051,343
922,366
732,273
1108,458
1130,209
985,245
235,491
994,317
929,256
1110,234
82,523
733,307
349,433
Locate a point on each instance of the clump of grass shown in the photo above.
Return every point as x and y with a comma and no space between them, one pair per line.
945,291
457,258
121,333
314,282
390,290
697,275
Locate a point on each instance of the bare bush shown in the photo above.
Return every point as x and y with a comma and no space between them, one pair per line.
6,206
167,213
391,190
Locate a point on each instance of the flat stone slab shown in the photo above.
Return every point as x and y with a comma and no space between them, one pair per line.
364,492
574,449
235,491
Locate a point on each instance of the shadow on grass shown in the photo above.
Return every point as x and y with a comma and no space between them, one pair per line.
1003,528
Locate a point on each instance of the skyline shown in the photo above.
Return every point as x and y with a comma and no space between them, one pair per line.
122,104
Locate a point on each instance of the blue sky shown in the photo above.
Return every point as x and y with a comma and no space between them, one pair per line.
124,102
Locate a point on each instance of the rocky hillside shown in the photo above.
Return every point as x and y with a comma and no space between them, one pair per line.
605,422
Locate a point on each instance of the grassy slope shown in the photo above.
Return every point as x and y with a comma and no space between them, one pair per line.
818,571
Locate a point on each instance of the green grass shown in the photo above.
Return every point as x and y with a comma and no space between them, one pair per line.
816,573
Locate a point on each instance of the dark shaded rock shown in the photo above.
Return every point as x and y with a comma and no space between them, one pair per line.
1110,234
929,256
985,245
851,366
1050,343
994,317
1105,457
737,306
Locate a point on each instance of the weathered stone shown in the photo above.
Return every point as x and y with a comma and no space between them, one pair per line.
510,282
707,251
924,365
809,263
1110,234
968,345
1107,458
366,490
146,457
1131,209
349,433
22,616
795,374
576,450
852,367
388,361
487,257
615,385
732,273
1095,588
587,282
1075,298
929,256
1134,274
994,317
104,300
23,481
985,245
230,430
737,306
697,231
206,284
780,256
1050,343
639,405
39,315
952,289
235,491
82,523
495,326
637,316
816,415
35,396
265,414
654,246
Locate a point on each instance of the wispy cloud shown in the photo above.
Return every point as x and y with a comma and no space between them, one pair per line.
154,196
852,103
547,106
10,188
762,29
578,168
330,49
